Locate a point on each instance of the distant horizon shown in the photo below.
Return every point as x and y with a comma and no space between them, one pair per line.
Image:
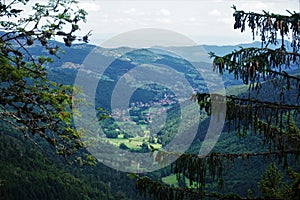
99,41
98,44
205,22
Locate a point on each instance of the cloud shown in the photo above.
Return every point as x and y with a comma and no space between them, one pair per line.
144,13
226,20
89,7
164,20
133,12
255,5
165,12
145,16
192,19
215,13
124,20
130,11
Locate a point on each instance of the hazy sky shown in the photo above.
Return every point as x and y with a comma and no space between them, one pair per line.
204,21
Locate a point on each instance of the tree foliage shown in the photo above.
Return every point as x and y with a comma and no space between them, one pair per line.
271,183
275,119
29,101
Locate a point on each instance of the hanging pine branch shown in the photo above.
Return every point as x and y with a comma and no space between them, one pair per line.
157,191
195,168
254,65
269,26
246,113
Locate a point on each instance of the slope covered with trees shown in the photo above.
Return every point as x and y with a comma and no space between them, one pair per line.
31,172
274,119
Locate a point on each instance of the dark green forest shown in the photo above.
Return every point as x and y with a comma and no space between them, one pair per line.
36,172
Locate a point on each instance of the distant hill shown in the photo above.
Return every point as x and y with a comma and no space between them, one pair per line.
121,60
78,52
222,50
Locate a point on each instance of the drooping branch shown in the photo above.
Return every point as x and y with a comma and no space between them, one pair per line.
157,190
275,121
269,26
254,65
196,168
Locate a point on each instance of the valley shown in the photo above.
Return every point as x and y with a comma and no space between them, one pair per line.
149,118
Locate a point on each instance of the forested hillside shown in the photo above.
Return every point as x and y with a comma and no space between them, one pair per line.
28,171
46,174
49,175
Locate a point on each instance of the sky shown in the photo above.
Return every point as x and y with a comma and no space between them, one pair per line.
203,21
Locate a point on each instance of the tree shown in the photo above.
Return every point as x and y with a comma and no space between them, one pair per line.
144,148
123,146
272,116
29,102
271,184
